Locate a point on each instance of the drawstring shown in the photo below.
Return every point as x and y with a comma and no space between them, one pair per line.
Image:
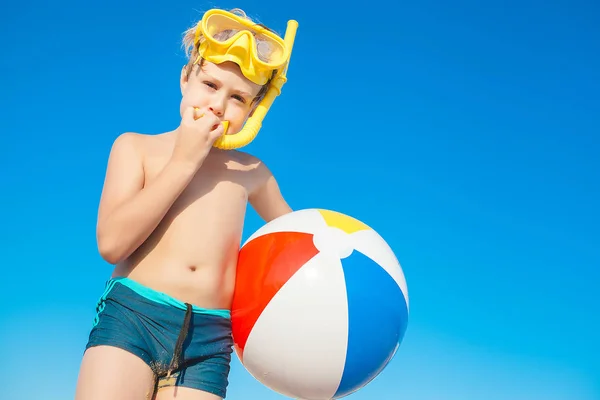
179,344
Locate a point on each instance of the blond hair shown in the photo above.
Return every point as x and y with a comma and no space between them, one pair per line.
191,48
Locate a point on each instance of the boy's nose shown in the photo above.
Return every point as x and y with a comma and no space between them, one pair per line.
218,111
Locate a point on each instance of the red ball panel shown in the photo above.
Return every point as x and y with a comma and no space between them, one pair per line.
265,264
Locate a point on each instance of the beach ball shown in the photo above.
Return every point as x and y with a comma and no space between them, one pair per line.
320,305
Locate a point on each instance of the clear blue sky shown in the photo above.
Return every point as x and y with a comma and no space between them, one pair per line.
466,134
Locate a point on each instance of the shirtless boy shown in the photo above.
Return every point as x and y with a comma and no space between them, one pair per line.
170,219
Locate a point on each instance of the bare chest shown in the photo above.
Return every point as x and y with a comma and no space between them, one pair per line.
223,181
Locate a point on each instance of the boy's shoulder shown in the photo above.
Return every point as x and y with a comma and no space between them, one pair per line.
247,159
130,138
139,143
250,163
243,157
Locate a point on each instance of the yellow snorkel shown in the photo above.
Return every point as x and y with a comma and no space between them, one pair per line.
242,48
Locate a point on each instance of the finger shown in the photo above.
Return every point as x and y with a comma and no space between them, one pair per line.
210,122
203,118
217,132
188,114
211,119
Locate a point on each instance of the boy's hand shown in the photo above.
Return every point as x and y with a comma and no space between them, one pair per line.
196,136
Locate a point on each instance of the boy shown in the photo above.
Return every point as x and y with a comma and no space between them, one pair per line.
170,218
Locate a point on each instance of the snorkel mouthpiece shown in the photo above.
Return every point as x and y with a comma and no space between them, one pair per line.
241,49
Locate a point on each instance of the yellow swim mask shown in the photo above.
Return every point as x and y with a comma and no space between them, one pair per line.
262,56
228,37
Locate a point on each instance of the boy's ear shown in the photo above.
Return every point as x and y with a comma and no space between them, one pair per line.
183,79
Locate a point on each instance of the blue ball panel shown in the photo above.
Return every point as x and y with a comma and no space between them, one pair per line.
377,319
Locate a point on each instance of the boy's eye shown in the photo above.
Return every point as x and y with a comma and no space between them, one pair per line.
214,86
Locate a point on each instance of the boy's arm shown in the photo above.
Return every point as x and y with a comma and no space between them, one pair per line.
267,199
129,209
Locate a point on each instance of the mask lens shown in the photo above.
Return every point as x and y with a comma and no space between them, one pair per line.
268,49
222,36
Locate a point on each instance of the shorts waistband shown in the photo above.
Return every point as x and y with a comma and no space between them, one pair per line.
161,298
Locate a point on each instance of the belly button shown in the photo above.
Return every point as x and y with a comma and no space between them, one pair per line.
193,268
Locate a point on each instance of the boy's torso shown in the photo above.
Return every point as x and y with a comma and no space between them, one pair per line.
193,252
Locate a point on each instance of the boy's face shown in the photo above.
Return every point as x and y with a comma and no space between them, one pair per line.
220,88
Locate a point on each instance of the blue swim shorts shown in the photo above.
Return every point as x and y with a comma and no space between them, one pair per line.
183,344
